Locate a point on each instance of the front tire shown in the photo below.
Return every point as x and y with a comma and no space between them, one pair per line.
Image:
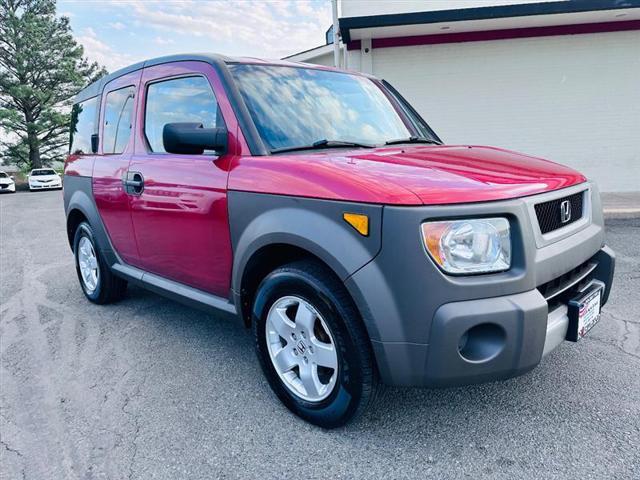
98,284
311,344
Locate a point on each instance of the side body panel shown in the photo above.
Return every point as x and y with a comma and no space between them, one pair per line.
78,197
108,190
181,219
78,166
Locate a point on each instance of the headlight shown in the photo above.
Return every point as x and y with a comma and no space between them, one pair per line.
479,245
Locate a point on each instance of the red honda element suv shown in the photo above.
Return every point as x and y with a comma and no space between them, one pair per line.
319,207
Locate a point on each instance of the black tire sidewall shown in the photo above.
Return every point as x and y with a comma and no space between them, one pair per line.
344,400
84,230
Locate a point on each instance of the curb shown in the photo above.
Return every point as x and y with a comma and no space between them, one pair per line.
627,213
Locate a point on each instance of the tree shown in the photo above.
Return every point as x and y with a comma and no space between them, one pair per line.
41,69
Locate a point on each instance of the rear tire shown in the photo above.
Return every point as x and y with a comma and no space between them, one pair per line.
335,322
98,284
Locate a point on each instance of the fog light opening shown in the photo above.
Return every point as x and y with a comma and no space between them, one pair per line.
482,343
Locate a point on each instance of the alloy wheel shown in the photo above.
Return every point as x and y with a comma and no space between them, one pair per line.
88,263
301,348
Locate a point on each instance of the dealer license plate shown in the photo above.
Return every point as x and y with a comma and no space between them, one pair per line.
584,312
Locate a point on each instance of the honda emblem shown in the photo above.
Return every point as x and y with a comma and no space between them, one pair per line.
565,211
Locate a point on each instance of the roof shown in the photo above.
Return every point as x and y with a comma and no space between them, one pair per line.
213,58
349,26
96,87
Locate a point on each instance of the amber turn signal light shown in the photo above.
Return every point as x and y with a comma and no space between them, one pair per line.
358,221
432,233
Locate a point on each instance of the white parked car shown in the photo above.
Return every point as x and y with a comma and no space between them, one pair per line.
6,183
44,179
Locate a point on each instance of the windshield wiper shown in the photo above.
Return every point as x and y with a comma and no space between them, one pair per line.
412,140
324,143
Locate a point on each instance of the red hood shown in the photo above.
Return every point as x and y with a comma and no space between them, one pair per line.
406,175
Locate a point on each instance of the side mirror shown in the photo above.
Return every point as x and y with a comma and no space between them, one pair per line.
193,139
11,177
95,139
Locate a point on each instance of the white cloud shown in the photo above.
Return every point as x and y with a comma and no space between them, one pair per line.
163,41
260,28
257,27
306,8
98,51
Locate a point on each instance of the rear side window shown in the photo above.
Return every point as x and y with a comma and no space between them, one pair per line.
179,100
118,115
83,125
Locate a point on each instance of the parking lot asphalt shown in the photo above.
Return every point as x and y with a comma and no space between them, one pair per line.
148,388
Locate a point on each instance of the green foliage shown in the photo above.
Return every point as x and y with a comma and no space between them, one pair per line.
41,69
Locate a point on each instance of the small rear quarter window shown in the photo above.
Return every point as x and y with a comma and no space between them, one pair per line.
83,125
118,113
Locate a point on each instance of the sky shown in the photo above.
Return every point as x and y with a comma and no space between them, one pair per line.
117,33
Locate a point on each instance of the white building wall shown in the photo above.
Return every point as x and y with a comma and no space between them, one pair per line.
325,59
357,8
572,99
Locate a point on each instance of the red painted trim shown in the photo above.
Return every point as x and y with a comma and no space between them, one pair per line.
500,34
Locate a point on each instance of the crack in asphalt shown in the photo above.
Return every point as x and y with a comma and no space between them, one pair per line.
6,446
136,421
615,345
628,337
617,317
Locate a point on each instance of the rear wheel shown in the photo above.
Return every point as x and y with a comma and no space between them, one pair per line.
98,284
311,344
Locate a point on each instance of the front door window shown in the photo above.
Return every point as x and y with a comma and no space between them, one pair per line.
187,99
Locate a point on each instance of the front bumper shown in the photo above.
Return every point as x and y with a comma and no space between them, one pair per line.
527,331
431,329
45,186
8,187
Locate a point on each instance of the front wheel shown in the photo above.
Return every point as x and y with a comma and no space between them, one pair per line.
312,345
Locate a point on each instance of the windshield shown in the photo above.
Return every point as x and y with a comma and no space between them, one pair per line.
3,175
294,106
42,172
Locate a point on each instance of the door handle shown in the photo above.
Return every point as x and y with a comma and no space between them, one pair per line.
133,183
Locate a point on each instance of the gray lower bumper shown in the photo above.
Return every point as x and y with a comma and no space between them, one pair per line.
483,339
557,325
